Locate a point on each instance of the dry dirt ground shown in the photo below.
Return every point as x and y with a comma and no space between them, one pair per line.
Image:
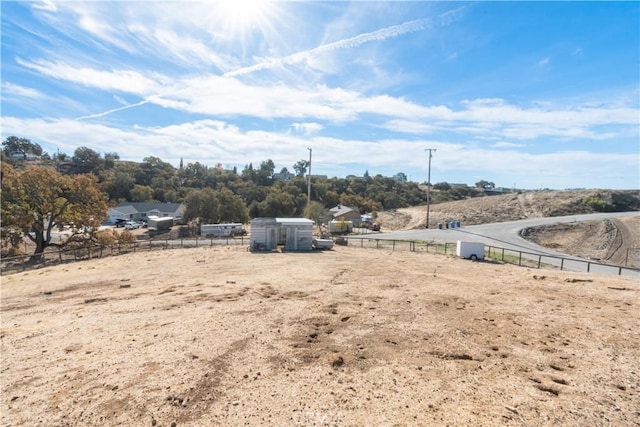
348,337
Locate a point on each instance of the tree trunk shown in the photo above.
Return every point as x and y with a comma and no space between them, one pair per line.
41,244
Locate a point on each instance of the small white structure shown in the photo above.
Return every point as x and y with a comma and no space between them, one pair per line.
221,230
322,244
470,250
159,224
265,233
294,233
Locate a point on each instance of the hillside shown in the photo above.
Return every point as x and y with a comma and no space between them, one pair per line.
509,207
613,242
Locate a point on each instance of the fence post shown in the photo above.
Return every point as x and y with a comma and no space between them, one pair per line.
619,271
394,245
520,258
539,261
502,254
60,254
588,266
561,263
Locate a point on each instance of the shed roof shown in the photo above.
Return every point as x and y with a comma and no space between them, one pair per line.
294,221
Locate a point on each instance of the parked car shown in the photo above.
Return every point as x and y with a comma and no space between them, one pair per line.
131,225
120,222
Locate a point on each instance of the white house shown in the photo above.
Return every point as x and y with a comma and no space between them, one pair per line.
136,211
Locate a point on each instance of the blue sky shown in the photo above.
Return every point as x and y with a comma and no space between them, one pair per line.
525,94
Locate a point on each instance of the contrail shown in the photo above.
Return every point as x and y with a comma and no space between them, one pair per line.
379,35
383,34
126,107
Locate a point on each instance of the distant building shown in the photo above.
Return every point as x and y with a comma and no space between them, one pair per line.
279,176
23,156
136,211
319,177
345,213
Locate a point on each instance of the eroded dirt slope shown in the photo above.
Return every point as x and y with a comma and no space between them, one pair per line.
614,241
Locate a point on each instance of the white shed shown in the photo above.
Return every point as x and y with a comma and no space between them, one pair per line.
265,234
296,233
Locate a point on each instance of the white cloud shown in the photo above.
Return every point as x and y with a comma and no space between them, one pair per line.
544,62
9,88
120,100
213,141
307,129
215,96
505,144
130,81
45,5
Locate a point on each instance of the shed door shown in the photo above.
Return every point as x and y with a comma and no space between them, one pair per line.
271,238
292,239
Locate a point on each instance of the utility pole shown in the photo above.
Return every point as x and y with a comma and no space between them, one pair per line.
309,184
430,150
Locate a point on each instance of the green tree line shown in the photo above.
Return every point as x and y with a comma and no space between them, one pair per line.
154,180
42,193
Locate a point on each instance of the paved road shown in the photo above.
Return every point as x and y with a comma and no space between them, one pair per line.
507,235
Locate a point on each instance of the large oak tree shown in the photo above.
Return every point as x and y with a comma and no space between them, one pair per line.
39,200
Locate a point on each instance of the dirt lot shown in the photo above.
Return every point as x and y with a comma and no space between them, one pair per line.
349,337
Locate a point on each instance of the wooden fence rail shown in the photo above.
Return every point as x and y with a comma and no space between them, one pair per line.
62,255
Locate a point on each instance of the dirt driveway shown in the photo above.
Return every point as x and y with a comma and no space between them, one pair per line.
349,337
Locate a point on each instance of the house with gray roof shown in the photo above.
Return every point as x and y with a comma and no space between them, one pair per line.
138,211
345,213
